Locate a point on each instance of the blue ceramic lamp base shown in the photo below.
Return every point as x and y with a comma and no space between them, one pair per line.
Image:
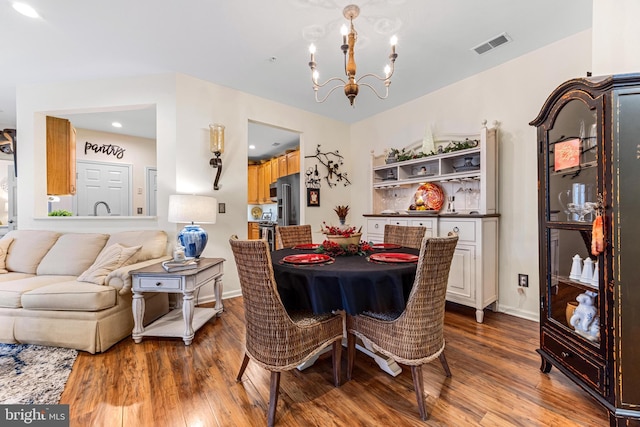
194,239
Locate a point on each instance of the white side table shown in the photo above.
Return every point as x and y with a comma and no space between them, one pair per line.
180,322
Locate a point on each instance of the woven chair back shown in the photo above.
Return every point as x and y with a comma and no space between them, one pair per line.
408,236
292,235
266,319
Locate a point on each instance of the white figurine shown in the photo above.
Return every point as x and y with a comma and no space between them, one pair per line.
576,268
587,271
584,316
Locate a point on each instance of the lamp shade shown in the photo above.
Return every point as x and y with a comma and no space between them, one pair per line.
191,209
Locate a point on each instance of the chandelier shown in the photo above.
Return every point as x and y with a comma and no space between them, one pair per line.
351,85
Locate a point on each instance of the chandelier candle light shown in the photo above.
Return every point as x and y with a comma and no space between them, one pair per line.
351,85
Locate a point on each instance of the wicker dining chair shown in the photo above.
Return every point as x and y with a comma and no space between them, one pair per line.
416,336
290,235
274,339
407,236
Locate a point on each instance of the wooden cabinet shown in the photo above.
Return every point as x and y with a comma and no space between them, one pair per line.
275,173
293,162
61,157
588,163
261,184
473,277
264,196
282,166
253,231
470,176
263,175
252,194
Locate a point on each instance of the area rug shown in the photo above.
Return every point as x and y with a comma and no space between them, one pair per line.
34,374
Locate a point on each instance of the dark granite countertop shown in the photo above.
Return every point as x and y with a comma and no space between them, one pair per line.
441,215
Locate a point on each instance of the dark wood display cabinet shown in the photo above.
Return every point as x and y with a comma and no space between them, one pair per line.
589,163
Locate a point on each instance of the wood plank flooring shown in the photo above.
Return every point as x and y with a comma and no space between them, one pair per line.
160,382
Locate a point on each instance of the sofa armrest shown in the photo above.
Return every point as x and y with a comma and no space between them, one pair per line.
121,279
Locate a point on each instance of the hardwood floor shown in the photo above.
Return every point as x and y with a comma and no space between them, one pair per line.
495,381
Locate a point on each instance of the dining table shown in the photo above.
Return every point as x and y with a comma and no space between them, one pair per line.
352,283
355,284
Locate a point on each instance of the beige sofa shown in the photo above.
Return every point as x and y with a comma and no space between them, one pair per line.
74,289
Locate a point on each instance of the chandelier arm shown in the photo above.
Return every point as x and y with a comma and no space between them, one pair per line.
330,92
376,92
317,85
392,69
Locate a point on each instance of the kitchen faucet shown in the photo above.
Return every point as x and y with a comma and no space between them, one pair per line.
95,207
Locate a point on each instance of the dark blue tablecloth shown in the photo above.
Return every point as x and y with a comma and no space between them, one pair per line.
351,283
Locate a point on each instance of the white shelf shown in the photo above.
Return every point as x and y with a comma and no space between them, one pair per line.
443,169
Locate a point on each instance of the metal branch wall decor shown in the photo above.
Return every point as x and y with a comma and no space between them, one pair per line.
332,160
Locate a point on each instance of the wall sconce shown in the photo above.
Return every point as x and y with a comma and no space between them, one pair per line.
216,145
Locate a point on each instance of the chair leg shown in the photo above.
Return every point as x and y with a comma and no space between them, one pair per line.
351,353
273,398
337,362
416,372
445,365
245,362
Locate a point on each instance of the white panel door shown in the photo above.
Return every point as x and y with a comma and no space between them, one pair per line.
152,191
103,182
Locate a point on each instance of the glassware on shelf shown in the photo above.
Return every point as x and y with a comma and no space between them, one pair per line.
563,198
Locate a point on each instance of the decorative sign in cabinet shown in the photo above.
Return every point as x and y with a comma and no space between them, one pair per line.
61,157
588,170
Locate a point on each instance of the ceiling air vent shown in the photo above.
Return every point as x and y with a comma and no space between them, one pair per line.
492,44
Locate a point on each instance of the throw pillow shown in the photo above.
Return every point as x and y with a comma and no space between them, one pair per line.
111,258
4,248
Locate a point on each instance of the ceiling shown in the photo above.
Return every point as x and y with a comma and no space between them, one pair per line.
261,47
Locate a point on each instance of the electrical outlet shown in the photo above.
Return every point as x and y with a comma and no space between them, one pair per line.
523,280
222,208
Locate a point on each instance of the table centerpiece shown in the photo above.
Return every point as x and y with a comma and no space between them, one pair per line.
343,240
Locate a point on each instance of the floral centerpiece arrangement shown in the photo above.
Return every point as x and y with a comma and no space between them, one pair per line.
343,240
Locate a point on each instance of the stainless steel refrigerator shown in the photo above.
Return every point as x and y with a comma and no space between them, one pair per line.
288,193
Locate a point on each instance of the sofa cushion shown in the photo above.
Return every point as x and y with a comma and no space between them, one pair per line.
111,258
154,242
70,296
11,292
72,253
28,248
5,242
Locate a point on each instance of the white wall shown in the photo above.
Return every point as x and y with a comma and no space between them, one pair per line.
616,35
512,94
185,106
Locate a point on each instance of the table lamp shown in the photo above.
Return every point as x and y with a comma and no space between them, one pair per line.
190,208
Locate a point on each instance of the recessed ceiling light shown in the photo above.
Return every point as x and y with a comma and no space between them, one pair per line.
116,124
26,10
252,147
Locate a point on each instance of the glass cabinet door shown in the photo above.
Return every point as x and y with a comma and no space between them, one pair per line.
572,164
574,281
571,205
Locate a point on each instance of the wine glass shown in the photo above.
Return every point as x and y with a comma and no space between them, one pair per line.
563,197
587,208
